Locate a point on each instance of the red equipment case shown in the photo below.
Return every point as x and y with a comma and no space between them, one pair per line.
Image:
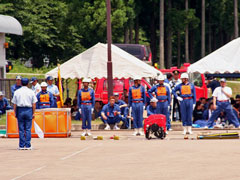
155,124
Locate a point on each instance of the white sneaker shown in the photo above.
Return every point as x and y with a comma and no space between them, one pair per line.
116,127
135,132
84,132
170,129
107,127
20,148
141,132
28,148
190,129
89,132
184,130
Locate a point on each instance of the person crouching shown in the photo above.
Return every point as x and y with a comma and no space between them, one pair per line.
111,114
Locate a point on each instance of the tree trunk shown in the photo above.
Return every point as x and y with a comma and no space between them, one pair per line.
136,31
130,34
169,39
203,30
161,40
126,36
235,18
209,31
186,37
153,37
179,49
191,47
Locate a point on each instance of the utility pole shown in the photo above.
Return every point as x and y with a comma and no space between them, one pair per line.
203,30
109,42
186,37
161,39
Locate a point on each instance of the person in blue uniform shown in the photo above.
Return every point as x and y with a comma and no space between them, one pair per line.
123,109
187,98
221,102
4,105
24,101
137,101
111,114
163,96
52,88
86,103
45,98
152,108
17,85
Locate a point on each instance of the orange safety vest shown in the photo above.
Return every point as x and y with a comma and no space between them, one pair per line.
85,96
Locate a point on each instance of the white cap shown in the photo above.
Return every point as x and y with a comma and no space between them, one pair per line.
160,78
137,78
1,93
223,80
43,84
184,75
86,80
154,100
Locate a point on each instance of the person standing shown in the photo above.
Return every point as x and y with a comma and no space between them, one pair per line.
187,98
24,101
173,83
86,103
35,85
137,101
163,96
221,102
17,85
45,98
53,89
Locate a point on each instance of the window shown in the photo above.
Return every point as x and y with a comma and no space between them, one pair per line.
196,79
134,50
118,85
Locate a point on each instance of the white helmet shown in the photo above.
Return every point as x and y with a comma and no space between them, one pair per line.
184,75
86,80
137,78
160,78
43,84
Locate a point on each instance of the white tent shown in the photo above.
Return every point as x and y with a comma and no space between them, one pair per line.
224,60
92,63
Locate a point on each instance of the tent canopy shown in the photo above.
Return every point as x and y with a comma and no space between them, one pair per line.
10,25
223,60
92,63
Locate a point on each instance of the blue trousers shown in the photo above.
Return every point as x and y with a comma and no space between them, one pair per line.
186,107
162,108
200,123
86,111
111,120
137,112
24,117
223,106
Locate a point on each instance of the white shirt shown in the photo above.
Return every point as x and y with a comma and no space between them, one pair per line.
220,95
24,97
173,83
36,89
53,89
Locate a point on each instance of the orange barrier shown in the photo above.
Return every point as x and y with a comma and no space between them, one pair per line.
54,122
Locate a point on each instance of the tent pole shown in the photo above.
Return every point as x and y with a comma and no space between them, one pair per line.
109,41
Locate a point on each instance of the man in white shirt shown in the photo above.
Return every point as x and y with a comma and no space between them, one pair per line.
24,101
53,89
221,96
35,85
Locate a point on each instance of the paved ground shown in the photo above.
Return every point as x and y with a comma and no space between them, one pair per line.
128,158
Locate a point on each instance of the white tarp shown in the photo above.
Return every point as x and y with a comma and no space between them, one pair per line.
92,63
224,60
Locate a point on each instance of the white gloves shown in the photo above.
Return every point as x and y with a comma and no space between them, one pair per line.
143,108
179,98
92,110
80,111
194,106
